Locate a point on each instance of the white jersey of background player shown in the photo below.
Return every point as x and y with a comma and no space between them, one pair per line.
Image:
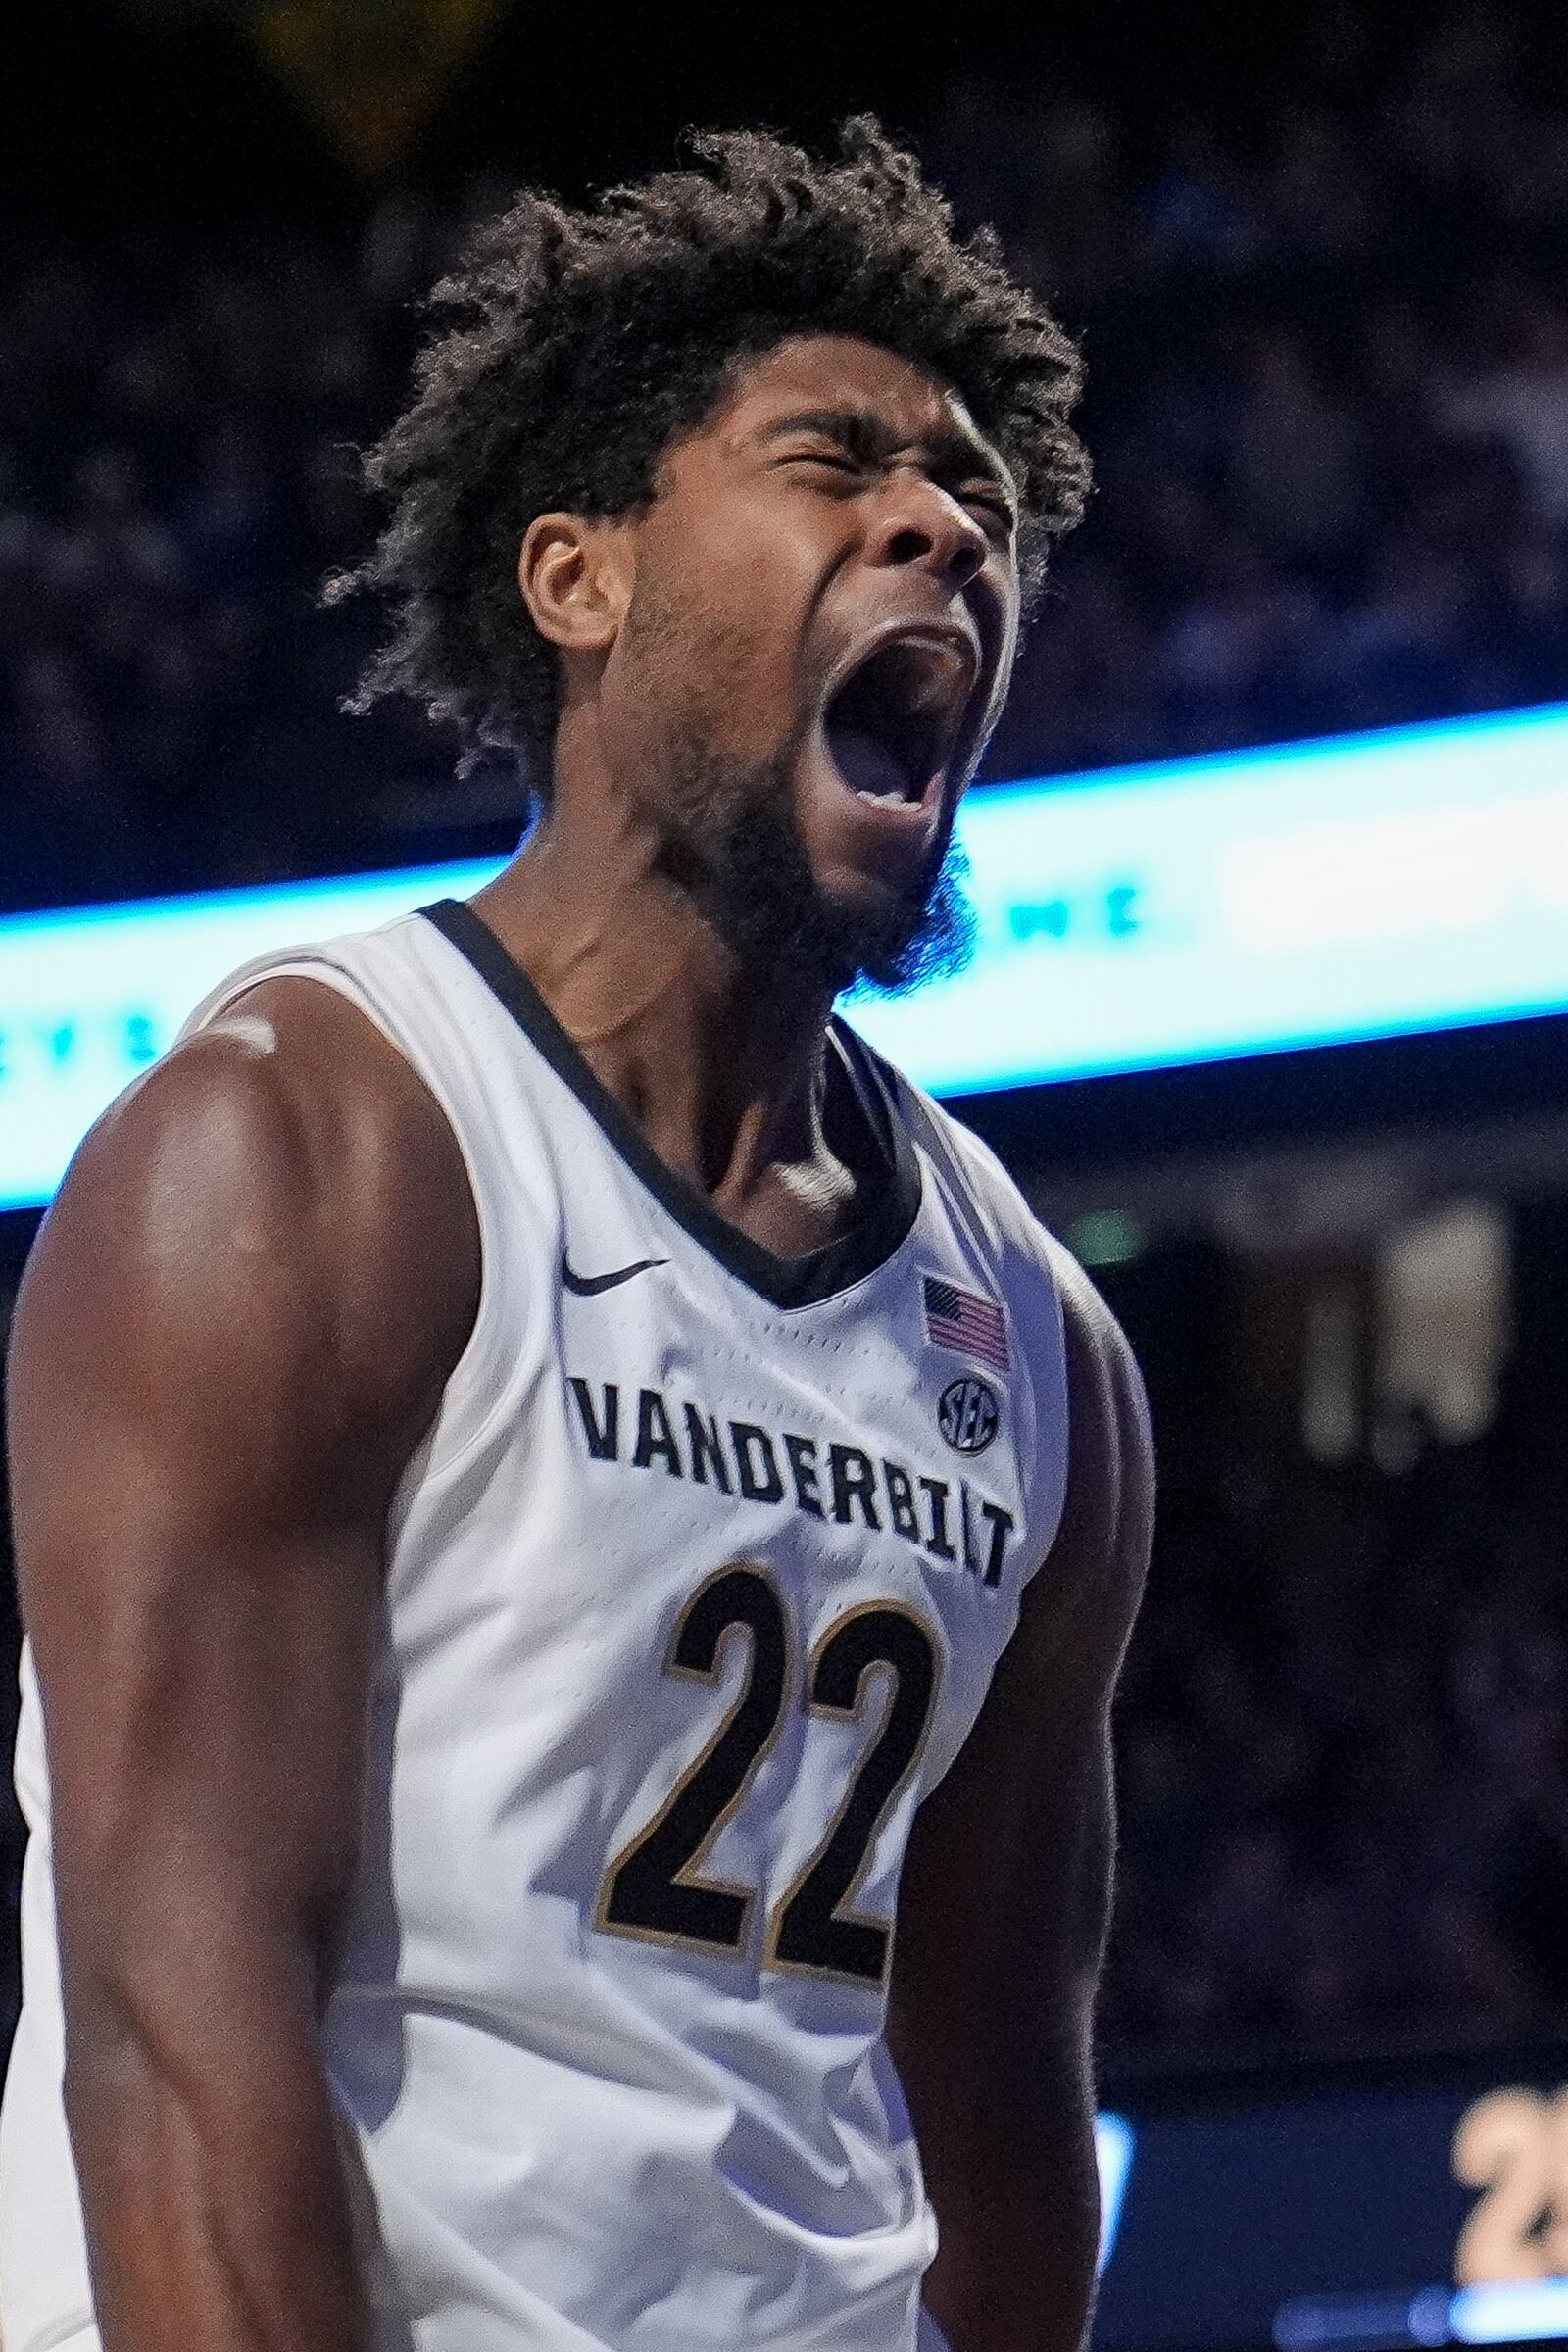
556,1498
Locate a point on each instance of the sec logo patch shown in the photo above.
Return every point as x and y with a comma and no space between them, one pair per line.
968,1414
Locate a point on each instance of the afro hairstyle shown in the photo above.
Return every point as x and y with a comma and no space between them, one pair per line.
573,348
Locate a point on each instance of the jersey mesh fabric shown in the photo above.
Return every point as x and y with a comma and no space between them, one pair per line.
568,2124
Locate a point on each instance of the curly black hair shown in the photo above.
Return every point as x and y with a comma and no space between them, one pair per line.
583,344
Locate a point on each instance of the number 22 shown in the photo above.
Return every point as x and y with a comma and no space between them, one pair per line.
653,1887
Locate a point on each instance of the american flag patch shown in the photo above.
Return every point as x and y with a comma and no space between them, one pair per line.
965,1322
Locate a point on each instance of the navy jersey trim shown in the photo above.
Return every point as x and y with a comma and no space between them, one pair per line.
863,1120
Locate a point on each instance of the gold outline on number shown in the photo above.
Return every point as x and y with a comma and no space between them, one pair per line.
852,1714
670,1937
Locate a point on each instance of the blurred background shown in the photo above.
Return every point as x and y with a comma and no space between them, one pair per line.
1316,256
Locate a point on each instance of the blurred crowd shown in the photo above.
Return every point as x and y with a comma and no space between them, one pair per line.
1328,348
1328,364
1344,1762
178,436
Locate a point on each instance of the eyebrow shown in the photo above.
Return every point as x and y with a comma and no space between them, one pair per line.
864,433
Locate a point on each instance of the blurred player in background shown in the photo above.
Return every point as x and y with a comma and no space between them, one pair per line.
553,1490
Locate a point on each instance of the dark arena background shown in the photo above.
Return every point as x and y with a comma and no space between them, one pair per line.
1278,1039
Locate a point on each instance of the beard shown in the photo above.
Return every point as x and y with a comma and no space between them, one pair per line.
732,839
734,846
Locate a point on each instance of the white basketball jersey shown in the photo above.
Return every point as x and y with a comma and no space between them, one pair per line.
693,1590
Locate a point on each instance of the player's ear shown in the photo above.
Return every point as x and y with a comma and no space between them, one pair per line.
577,580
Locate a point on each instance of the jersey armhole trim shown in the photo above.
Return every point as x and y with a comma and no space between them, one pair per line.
1054,1257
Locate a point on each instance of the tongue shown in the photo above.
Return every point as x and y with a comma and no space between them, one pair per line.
868,767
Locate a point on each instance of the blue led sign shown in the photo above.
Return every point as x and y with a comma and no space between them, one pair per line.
1361,887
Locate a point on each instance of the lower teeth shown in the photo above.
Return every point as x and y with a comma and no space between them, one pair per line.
868,767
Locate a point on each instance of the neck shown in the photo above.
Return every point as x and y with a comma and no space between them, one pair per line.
720,1066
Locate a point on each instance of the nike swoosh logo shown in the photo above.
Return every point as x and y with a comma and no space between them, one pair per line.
589,1286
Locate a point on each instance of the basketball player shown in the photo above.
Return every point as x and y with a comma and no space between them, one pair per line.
554,1492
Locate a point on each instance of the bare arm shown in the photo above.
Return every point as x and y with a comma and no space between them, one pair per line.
1005,1902
236,1325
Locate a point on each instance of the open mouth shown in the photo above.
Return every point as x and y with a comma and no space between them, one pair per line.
891,727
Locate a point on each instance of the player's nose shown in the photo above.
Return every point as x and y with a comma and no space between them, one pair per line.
918,523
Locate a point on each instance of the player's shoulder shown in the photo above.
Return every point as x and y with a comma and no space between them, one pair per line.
288,1085
285,1135
1099,1351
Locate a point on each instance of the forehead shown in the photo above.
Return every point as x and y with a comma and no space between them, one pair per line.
917,406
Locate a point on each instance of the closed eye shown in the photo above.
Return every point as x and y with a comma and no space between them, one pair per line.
984,496
994,501
836,460
997,512
996,509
